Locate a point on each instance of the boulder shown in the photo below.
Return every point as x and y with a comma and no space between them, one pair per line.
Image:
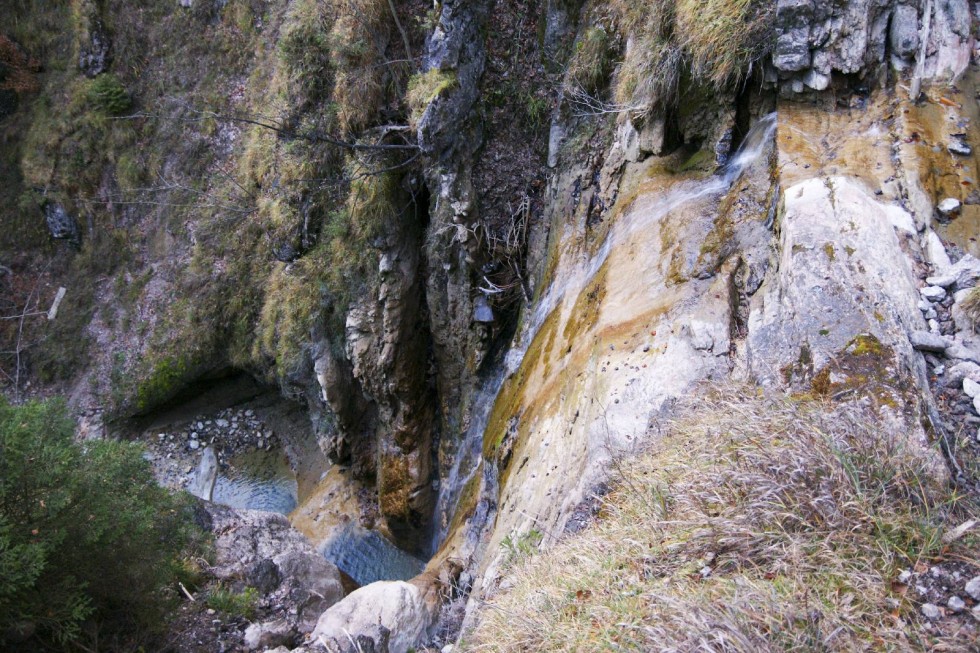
312,584
386,613
273,557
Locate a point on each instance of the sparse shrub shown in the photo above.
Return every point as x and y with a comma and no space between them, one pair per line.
756,523
88,541
107,94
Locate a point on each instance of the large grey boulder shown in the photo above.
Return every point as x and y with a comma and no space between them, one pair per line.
387,616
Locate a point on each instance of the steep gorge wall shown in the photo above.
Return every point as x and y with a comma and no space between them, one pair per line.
351,277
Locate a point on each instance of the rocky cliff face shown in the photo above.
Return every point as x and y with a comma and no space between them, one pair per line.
490,271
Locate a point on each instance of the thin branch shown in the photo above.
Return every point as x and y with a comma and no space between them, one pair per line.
401,30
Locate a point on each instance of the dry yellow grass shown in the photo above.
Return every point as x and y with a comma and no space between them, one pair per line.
756,524
706,43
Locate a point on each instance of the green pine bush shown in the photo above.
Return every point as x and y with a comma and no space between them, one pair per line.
89,543
109,95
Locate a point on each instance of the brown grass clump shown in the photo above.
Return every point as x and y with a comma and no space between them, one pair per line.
358,39
709,43
723,38
757,524
18,71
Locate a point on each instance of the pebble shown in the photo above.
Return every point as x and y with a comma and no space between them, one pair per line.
930,611
956,604
905,577
222,423
925,341
971,388
949,206
195,444
973,588
956,146
933,293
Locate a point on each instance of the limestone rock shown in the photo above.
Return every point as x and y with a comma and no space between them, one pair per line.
973,588
930,611
245,542
268,634
962,274
926,341
949,207
958,147
903,36
957,373
971,388
933,293
95,50
935,251
481,310
391,613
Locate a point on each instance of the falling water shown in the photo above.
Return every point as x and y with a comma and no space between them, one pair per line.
467,460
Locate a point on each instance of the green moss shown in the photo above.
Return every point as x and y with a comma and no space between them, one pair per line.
425,87
828,249
165,379
702,160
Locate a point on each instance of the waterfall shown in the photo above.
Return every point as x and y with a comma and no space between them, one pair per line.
468,458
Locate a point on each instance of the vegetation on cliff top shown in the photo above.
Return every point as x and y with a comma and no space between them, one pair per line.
755,524
669,44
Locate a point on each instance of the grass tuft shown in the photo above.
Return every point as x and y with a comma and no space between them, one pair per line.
757,524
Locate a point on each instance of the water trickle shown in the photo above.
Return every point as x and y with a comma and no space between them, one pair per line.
466,463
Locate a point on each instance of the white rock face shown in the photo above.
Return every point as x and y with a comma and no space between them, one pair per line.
827,228
384,612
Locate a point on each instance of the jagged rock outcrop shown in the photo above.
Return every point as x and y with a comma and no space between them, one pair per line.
816,40
261,550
